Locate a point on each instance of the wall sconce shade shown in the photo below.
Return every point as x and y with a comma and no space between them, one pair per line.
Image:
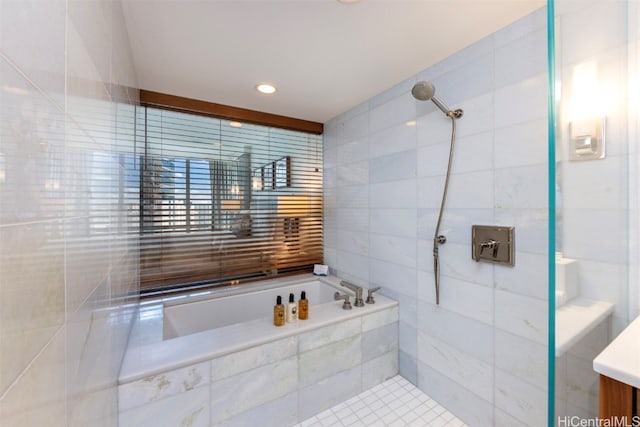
230,205
298,206
587,127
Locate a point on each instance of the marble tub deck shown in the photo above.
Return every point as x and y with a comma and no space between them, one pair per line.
279,376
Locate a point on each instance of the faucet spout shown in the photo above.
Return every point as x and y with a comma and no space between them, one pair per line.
358,291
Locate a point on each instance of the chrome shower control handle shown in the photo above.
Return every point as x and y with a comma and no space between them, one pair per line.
490,244
494,244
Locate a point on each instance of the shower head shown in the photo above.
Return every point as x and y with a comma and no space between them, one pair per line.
425,91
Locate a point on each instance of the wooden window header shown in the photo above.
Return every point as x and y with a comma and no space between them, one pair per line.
226,112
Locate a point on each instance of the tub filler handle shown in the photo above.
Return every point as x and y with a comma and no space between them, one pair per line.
370,292
345,297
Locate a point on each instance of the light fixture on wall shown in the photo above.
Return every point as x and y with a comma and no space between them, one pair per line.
3,169
292,207
588,124
299,206
230,207
256,182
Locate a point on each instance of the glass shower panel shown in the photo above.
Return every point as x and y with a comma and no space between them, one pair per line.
595,56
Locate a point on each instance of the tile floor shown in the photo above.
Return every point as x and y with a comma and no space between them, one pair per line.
395,402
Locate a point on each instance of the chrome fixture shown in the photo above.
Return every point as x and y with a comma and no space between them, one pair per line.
345,297
588,139
489,244
425,91
493,244
370,292
358,291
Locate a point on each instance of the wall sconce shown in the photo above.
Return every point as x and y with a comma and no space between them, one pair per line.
229,207
293,207
256,183
3,169
587,128
587,139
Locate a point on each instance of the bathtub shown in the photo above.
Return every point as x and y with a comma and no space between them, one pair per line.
216,358
232,307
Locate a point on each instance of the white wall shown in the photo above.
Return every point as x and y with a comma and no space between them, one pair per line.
68,244
482,352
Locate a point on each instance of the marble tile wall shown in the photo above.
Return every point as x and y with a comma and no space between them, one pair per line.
600,192
599,199
634,145
577,385
68,245
482,353
279,383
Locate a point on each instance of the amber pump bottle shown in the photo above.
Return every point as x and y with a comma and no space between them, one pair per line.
303,306
278,312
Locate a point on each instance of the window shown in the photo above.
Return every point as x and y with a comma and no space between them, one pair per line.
223,201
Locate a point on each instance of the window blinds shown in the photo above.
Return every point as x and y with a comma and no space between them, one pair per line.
222,201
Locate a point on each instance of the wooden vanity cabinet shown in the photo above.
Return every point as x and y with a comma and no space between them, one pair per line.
618,399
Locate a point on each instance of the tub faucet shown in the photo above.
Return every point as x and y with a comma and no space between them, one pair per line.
357,289
345,297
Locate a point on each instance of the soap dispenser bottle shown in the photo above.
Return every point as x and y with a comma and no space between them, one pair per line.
292,310
303,307
278,312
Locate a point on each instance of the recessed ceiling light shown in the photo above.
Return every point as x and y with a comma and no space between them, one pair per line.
235,124
265,88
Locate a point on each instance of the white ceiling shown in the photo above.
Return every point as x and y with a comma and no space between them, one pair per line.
324,57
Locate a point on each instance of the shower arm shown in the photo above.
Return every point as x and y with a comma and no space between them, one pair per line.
449,113
437,238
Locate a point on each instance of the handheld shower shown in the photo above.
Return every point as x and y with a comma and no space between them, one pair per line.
425,91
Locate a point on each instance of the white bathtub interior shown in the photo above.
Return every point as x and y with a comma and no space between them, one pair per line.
188,317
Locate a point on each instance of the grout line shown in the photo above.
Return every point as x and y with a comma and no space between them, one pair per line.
35,358
406,406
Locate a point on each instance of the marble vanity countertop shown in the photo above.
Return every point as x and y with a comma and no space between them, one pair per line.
620,360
